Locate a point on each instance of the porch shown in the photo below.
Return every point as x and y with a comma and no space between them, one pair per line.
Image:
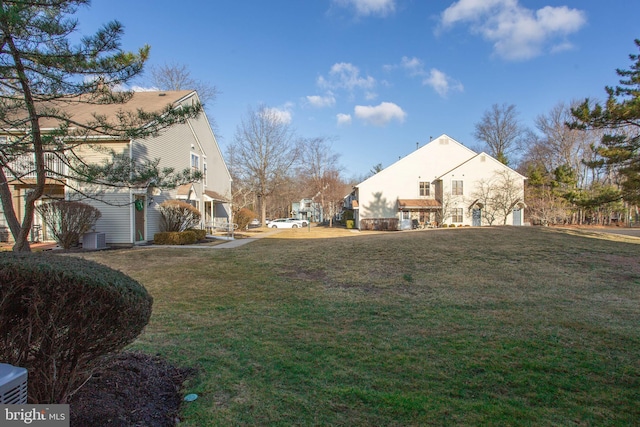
423,213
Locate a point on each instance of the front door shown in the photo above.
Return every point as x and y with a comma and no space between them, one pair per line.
476,217
517,217
139,206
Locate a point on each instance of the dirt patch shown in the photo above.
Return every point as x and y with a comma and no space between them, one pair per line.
133,389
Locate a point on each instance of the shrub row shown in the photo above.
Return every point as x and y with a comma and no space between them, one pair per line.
200,233
175,238
60,316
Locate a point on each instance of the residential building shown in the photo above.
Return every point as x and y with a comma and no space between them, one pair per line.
441,183
131,215
307,209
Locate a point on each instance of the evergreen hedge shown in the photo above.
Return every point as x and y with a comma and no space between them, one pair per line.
175,238
61,316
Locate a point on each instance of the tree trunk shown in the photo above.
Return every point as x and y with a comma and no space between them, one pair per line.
263,210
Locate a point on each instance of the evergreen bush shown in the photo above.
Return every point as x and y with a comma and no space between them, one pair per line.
200,233
175,238
61,316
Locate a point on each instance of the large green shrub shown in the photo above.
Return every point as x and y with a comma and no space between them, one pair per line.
60,316
68,220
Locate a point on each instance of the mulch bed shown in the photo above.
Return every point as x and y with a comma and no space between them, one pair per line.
133,389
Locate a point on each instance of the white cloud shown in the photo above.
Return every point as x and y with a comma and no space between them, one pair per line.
517,33
438,80
381,114
343,119
344,75
283,115
442,83
413,65
143,89
370,96
322,101
369,7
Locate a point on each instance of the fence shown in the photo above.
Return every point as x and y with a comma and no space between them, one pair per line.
382,224
25,167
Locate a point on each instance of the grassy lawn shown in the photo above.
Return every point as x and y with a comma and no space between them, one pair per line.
473,326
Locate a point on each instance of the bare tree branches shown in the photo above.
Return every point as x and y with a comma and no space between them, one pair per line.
501,131
174,76
265,150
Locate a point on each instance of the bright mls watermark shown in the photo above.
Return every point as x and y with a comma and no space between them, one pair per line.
34,415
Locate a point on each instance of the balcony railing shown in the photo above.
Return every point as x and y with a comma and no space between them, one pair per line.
25,167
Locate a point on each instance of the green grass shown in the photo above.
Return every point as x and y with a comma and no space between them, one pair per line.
490,326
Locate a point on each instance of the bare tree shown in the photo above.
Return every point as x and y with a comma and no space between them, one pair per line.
322,172
546,207
174,76
501,131
498,195
264,151
560,145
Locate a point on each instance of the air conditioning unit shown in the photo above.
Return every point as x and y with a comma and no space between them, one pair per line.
94,240
13,385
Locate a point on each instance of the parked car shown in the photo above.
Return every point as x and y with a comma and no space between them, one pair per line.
285,223
254,223
304,222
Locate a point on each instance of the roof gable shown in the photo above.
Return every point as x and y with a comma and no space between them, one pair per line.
81,110
482,157
434,152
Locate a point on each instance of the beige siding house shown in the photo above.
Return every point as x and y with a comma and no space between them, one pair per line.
131,215
441,183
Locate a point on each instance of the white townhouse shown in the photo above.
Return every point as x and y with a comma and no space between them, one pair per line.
441,183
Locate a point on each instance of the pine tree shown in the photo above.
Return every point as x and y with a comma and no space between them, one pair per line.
40,72
620,117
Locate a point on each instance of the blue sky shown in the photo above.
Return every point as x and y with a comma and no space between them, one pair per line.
379,76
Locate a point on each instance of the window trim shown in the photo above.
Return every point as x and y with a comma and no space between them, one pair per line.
191,162
457,189
457,215
424,189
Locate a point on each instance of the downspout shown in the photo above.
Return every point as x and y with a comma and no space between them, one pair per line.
132,216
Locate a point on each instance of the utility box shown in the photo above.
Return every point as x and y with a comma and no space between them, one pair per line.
94,240
13,385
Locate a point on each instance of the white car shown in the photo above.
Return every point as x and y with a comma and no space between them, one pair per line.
304,222
285,223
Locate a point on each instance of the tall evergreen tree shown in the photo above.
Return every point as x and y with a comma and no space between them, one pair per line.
40,73
620,118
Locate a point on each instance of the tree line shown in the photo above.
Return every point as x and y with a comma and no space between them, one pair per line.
272,166
581,160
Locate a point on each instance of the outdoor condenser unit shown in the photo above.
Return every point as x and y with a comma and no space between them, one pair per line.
94,240
13,385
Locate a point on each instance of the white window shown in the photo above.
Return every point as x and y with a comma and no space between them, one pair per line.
456,214
425,189
456,188
195,162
